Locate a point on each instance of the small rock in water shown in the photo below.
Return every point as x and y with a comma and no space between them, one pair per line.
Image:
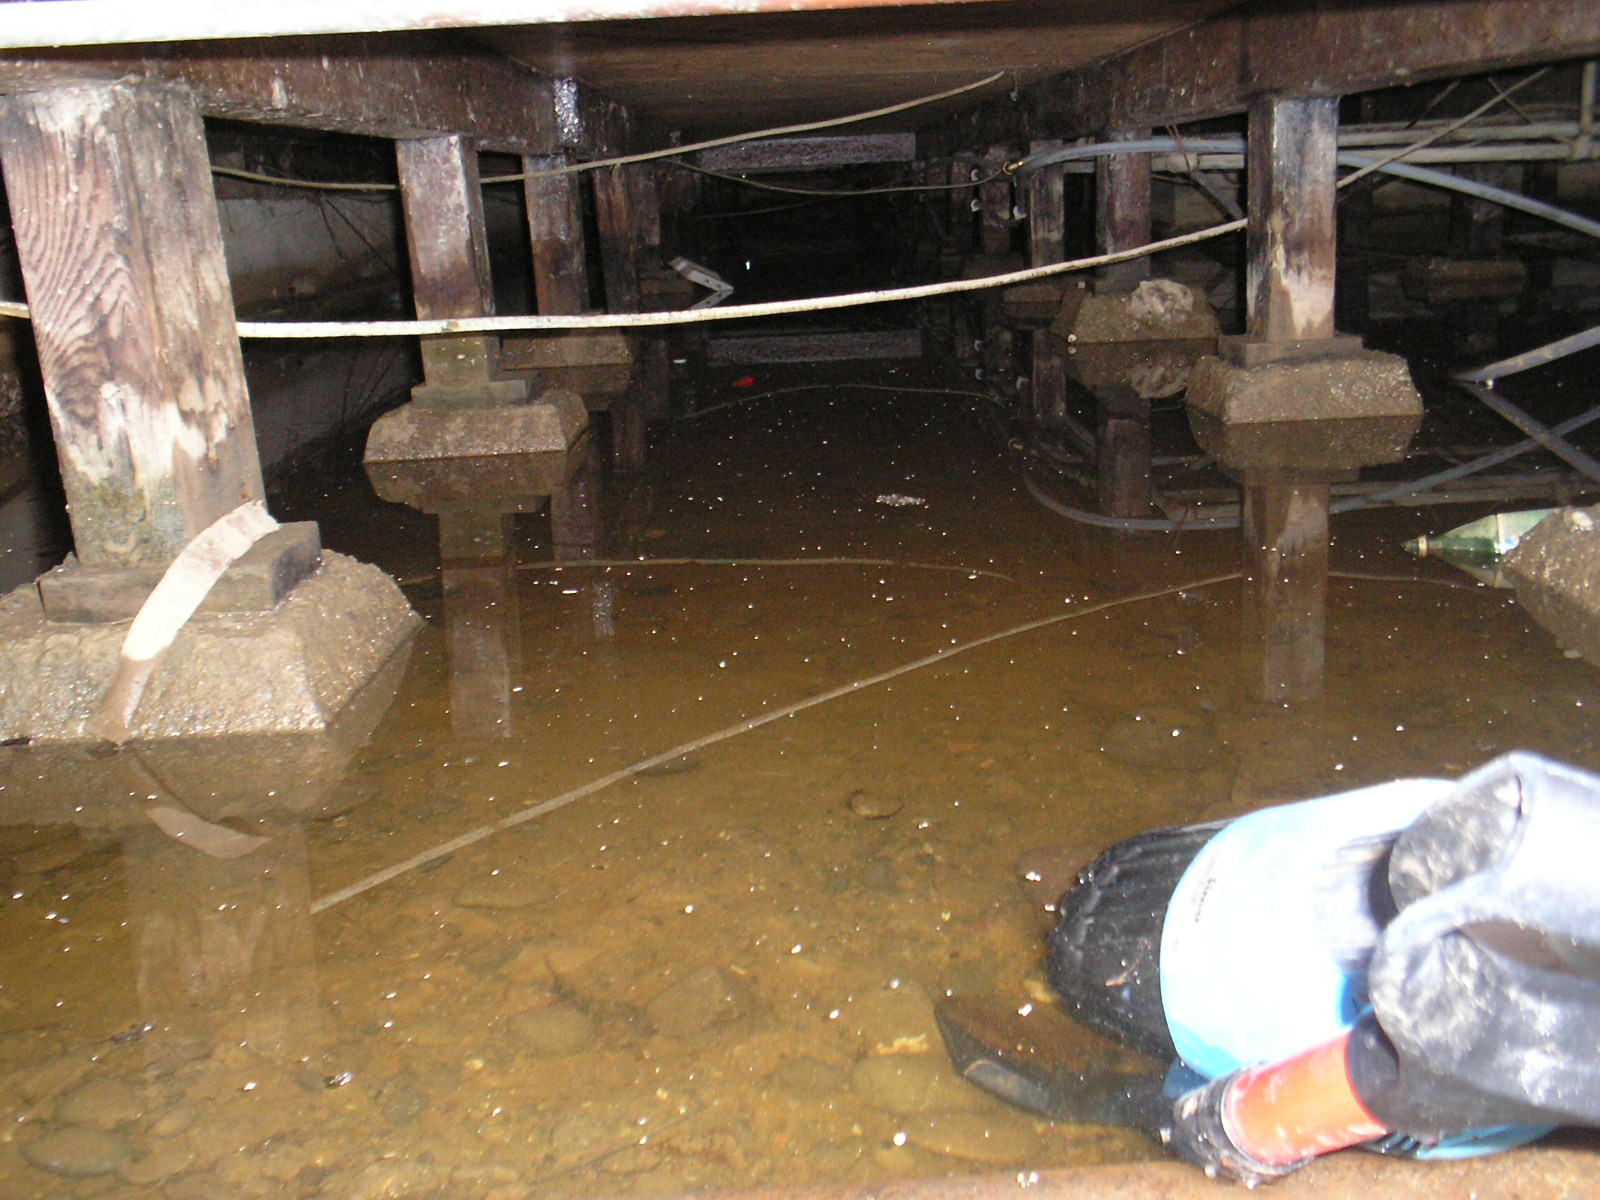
557,1028
103,1103
895,1018
874,806
401,1100
706,997
912,1083
977,1137
78,1152
810,1077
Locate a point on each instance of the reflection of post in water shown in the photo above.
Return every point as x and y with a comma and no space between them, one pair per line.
1286,584
476,498
482,626
225,950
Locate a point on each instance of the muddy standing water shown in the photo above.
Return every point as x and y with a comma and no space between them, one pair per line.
718,970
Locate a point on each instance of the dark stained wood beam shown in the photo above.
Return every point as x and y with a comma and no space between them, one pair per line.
811,153
1280,47
1291,242
554,205
449,253
1122,213
390,87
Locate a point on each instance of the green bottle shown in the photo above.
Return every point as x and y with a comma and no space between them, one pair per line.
1478,546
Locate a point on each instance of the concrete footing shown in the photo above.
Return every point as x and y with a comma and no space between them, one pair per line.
1158,310
1556,571
416,431
290,669
1364,384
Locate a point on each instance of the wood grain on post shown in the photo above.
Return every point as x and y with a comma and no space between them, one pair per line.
1122,212
614,201
1047,210
449,251
555,228
121,249
1292,234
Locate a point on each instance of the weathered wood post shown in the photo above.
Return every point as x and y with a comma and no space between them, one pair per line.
995,204
121,250
1293,406
1290,248
1122,212
1047,225
624,216
449,252
555,228
473,444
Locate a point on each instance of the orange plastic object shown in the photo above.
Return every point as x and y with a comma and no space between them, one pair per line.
1299,1108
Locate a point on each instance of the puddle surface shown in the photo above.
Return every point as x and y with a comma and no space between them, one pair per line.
719,969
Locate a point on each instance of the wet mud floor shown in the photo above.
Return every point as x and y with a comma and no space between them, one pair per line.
718,971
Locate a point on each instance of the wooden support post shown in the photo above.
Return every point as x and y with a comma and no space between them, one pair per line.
1477,226
1047,210
1286,585
1291,237
555,228
628,216
614,202
1289,294
449,250
1047,226
1122,213
1122,452
994,219
121,249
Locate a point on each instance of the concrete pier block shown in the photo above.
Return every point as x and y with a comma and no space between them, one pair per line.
1157,310
552,422
1365,384
1556,571
290,669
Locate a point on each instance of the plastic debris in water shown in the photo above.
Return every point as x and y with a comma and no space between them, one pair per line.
1479,546
897,500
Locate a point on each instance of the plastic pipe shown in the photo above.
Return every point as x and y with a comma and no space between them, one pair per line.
1533,358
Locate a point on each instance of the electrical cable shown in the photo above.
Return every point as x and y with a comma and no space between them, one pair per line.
855,687
315,185
842,194
820,387
482,832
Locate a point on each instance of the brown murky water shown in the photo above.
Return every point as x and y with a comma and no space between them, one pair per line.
718,970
